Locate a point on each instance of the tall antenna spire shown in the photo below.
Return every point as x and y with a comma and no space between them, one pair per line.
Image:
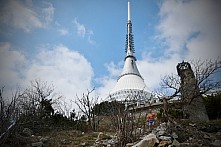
129,49
128,10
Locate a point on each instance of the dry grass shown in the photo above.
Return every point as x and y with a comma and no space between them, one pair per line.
71,138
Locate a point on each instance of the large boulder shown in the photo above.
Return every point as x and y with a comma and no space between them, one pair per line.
148,141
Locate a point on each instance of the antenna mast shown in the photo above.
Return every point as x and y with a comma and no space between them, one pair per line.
129,48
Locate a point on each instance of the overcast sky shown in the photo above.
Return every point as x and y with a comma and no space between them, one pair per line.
80,44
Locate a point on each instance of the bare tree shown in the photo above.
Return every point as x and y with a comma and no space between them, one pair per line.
86,104
8,115
32,99
33,106
38,104
127,117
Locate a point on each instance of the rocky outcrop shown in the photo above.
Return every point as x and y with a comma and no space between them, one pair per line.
193,104
182,135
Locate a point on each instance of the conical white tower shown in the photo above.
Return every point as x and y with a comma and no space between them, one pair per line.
130,82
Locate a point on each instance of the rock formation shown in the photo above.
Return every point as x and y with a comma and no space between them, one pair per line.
193,105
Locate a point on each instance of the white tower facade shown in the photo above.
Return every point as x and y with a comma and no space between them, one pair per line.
130,83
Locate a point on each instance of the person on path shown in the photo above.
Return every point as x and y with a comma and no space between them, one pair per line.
151,119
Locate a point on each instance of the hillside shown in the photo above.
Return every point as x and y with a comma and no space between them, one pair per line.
183,133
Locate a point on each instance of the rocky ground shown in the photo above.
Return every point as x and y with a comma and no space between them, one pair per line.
199,134
182,133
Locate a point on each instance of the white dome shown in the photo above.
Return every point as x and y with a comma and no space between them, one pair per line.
130,82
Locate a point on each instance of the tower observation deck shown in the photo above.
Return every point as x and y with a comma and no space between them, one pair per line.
130,84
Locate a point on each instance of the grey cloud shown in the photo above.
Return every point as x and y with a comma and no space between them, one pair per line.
24,16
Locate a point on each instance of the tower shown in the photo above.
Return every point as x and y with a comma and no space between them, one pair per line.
130,83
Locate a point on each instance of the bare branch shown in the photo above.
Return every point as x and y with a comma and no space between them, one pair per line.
204,72
86,104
